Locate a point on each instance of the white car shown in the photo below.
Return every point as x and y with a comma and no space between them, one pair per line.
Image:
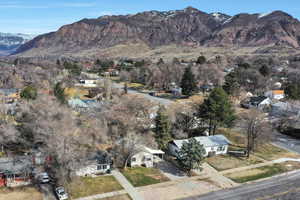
44,178
61,193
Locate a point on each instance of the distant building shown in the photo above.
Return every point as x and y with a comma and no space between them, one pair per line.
214,145
275,94
16,171
77,104
9,95
259,102
87,83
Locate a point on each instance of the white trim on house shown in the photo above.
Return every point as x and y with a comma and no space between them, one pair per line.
214,145
147,157
93,169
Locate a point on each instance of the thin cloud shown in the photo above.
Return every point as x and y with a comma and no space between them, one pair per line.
76,5
21,5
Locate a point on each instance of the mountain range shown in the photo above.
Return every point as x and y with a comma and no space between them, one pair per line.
10,42
189,27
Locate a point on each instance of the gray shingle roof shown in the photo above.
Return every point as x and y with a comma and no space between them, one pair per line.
16,165
207,141
7,92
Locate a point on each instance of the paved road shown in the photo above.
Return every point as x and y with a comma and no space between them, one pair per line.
161,101
287,142
285,187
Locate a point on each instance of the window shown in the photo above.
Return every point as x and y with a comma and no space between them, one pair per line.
221,148
148,159
104,167
99,167
133,159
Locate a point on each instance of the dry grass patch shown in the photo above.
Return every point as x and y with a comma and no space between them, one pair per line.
24,193
257,173
75,92
291,165
263,172
271,152
121,197
267,152
140,176
225,162
87,186
236,138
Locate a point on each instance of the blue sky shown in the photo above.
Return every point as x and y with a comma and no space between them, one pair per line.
41,16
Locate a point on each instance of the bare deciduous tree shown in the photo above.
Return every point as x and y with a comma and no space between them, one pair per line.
257,128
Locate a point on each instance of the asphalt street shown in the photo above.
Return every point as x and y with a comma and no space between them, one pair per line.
284,187
287,142
158,100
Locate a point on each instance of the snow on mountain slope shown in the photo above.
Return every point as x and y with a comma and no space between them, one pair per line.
9,42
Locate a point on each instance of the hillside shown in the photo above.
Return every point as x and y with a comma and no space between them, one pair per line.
10,42
188,27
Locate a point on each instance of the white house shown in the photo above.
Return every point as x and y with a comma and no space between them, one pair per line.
214,145
146,157
87,83
259,102
275,94
97,163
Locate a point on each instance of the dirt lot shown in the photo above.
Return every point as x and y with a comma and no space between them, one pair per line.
224,162
177,190
121,197
26,193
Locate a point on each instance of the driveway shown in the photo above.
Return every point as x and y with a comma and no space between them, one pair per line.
287,142
158,100
47,191
178,189
170,171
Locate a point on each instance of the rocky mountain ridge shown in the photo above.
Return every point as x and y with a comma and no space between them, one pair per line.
189,27
9,42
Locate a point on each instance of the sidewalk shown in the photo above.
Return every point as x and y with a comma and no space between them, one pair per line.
105,195
281,160
223,181
133,193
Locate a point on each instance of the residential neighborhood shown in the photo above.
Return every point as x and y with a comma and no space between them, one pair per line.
149,100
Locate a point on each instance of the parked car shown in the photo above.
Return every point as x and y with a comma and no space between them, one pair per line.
44,178
61,193
152,94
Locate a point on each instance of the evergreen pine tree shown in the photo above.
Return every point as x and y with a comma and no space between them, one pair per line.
217,110
188,83
190,155
162,128
201,60
59,93
264,70
232,85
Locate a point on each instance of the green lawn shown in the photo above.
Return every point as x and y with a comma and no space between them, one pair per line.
140,176
258,173
86,186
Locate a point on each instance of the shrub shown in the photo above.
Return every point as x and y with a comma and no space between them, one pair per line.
29,92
